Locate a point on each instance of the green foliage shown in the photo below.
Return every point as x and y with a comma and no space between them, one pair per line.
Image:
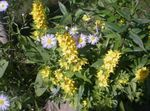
122,25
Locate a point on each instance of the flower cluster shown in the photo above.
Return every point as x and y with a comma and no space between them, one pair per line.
4,103
110,61
70,59
66,84
45,72
141,74
86,18
100,24
3,5
82,39
102,78
39,17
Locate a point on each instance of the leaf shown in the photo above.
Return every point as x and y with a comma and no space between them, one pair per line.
116,27
124,12
39,86
121,106
79,75
142,21
67,19
78,13
3,66
63,8
97,64
136,39
133,85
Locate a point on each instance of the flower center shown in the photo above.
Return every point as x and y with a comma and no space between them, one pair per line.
1,101
92,38
49,41
80,40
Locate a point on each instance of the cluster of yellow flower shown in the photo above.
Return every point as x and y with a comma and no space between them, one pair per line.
64,82
141,74
110,61
100,24
70,60
45,72
39,17
102,78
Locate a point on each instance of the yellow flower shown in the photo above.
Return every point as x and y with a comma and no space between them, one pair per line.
141,74
100,24
110,60
123,81
65,83
58,75
84,102
69,59
122,21
45,72
39,17
102,78
86,18
68,86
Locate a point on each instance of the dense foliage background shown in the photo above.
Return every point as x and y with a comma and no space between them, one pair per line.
28,71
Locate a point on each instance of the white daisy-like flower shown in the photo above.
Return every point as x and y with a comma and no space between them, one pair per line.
82,41
73,30
93,39
3,5
48,41
4,103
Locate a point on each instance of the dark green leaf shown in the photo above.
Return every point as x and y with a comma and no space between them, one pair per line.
136,39
121,106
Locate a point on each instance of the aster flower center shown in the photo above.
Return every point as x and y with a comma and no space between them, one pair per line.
3,5
80,40
49,41
92,38
1,101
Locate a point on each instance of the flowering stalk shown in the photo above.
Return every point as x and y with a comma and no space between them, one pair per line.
39,18
110,60
66,84
70,59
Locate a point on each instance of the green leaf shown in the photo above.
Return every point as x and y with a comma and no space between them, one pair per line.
79,75
136,39
124,12
142,21
116,27
62,8
78,13
39,86
3,66
121,106
97,64
67,19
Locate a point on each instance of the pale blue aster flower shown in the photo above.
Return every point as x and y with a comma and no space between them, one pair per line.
48,41
81,41
4,102
73,31
93,39
3,5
